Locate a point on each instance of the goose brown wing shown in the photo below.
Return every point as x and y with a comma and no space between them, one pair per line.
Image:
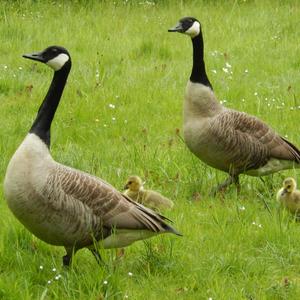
248,142
82,191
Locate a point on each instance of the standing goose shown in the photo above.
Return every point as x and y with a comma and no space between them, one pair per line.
63,206
223,138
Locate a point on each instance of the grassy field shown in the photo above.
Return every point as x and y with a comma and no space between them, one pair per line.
121,114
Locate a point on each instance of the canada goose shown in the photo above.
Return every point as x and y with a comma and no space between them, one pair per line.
63,206
135,190
223,138
289,196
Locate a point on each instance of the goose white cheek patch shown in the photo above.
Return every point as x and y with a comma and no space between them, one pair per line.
194,30
58,62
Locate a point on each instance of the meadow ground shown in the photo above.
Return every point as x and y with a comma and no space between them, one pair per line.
121,114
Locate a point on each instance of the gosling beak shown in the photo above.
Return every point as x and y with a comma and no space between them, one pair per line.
176,28
126,186
283,192
38,56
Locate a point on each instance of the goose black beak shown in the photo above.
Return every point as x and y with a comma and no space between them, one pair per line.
176,28
126,186
35,56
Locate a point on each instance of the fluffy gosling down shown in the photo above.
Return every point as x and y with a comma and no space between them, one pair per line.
64,206
223,138
134,189
289,197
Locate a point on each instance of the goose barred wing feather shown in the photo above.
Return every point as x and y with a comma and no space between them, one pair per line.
81,194
249,143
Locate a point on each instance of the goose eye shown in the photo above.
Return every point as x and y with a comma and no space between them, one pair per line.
129,182
54,50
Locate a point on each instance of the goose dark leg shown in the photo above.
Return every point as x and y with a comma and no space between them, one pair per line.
237,184
67,259
222,187
97,256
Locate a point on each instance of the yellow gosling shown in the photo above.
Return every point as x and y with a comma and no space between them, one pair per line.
288,196
134,189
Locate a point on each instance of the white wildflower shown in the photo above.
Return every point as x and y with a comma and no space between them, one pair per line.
130,274
41,267
105,282
225,70
112,106
228,65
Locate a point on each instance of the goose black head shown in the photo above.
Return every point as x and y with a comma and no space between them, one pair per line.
187,25
55,57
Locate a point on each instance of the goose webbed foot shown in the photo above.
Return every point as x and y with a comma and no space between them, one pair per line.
221,188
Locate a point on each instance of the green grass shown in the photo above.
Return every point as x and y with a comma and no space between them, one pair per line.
123,55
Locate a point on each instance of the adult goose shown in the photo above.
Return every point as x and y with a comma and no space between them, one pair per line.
63,206
223,138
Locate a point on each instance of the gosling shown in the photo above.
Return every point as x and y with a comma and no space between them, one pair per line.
289,197
134,189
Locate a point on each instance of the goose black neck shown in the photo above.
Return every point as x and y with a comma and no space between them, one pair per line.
198,72
42,124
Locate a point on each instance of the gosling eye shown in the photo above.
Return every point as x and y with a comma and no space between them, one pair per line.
129,182
288,186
